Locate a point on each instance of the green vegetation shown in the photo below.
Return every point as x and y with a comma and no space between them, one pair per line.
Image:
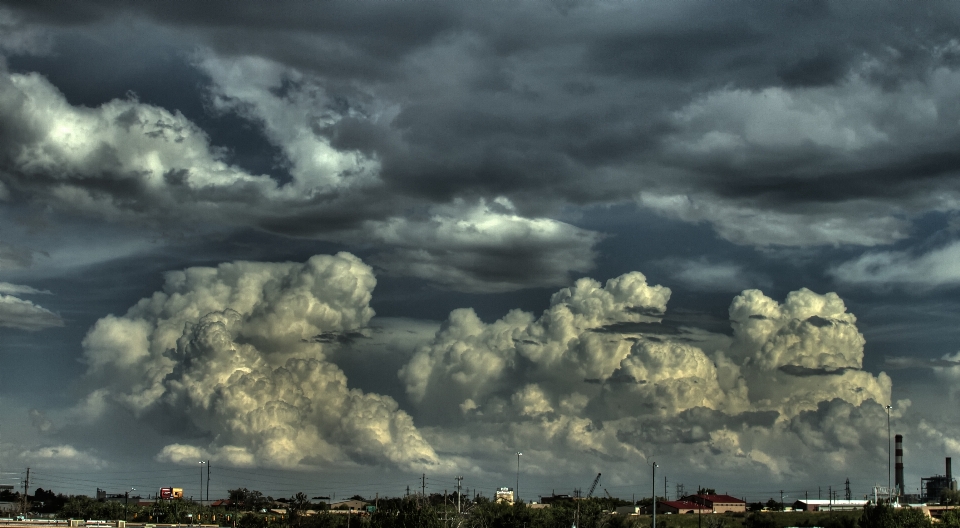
251,509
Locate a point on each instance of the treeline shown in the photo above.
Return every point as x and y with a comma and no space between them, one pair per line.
251,509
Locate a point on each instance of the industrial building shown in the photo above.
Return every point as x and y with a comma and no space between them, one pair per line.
932,488
830,505
504,495
718,503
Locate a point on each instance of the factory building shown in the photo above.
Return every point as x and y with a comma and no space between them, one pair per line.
718,503
931,488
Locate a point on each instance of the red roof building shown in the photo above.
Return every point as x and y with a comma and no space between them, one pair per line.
681,507
719,503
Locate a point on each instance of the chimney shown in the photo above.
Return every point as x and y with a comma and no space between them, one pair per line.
950,482
899,464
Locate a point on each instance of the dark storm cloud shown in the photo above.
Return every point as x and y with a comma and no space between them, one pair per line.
774,124
818,70
476,144
800,371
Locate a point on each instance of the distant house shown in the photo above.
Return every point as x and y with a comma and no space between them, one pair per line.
349,505
718,503
681,507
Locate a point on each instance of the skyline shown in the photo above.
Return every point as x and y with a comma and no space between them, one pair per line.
374,240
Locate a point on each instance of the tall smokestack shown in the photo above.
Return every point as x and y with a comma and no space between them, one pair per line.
950,474
899,463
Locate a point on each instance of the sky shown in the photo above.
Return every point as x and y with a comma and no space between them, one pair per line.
341,247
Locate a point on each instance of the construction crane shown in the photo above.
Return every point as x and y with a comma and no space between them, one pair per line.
608,494
593,486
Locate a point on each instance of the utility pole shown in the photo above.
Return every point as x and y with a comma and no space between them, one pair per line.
423,485
459,480
201,481
208,482
664,488
781,500
26,487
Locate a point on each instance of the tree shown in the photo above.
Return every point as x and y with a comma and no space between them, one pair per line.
247,500
950,519
759,520
296,507
876,516
884,516
949,496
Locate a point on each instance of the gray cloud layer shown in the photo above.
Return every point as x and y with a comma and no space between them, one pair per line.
407,137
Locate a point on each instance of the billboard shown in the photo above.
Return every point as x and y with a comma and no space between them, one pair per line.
171,493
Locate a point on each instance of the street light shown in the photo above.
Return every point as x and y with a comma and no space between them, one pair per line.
888,407
201,482
654,489
126,497
518,475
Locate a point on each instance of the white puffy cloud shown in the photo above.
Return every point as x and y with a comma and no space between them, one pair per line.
938,267
704,275
484,247
20,289
293,110
472,360
62,456
153,159
239,352
749,223
597,375
25,315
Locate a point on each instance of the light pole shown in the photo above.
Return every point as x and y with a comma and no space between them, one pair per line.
201,481
654,489
126,498
888,407
518,475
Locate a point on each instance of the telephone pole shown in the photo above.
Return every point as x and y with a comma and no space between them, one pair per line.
459,480
26,486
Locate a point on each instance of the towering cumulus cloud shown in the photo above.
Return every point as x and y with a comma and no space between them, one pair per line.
237,352
600,375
